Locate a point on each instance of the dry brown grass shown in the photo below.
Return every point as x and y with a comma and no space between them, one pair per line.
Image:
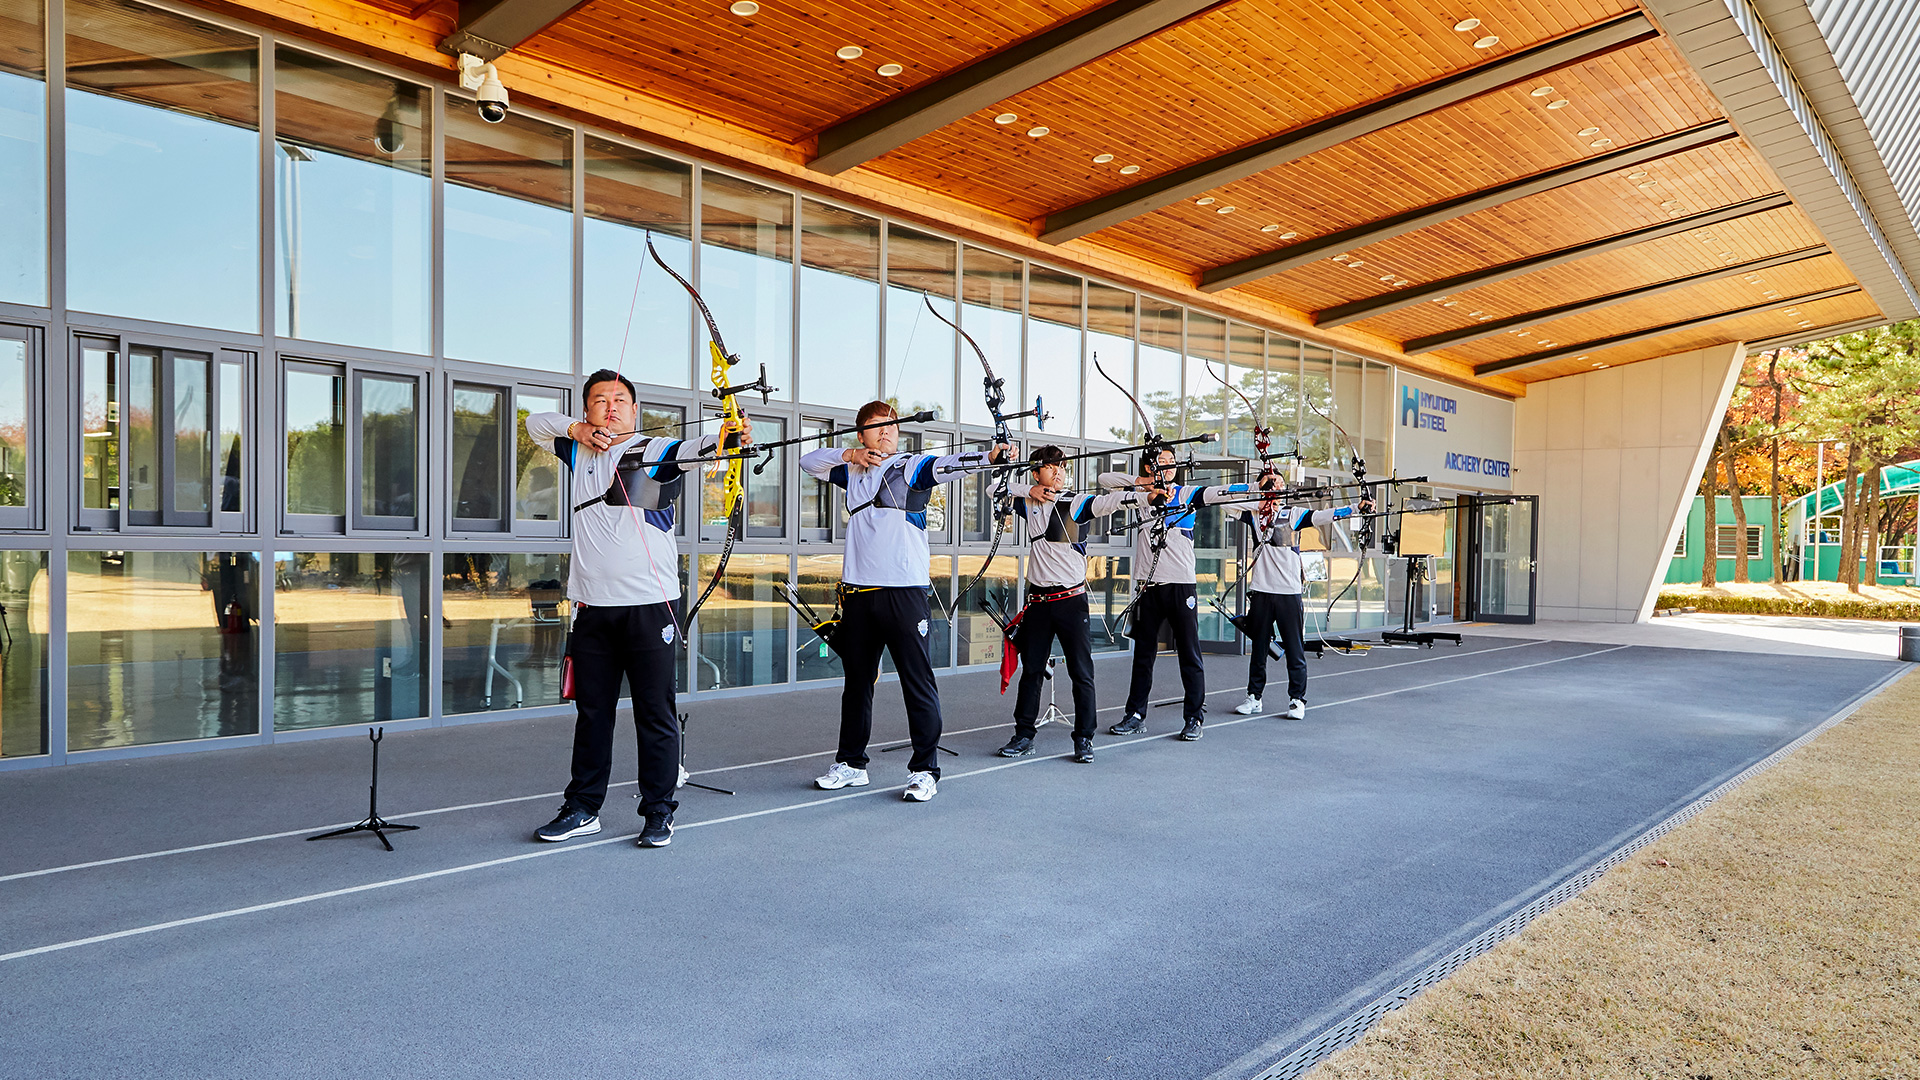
1775,935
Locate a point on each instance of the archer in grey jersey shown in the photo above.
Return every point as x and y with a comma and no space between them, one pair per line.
1274,588
887,510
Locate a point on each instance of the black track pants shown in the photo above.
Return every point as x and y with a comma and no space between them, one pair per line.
1173,604
1044,621
894,619
635,643
1288,612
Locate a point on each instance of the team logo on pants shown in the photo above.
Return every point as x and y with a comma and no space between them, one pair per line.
923,628
666,633
1190,602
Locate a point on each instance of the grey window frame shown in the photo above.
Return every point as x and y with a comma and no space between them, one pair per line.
353,523
508,523
30,517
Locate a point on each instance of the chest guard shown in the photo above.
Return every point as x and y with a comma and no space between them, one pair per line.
895,492
634,485
1061,528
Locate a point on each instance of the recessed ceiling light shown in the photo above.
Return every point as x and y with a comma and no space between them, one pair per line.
1102,159
1451,303
1486,318
849,52
1601,144
744,8
1526,333
1399,283
1806,324
1439,299
1580,358
1648,185
1342,257
1204,200
889,70
1595,365
1637,174
1357,263
1584,132
1269,228
1226,210
1465,25
1036,132
1006,118
1487,42
1474,314
1129,170
1561,104
1542,91
1288,235
1669,204
1386,277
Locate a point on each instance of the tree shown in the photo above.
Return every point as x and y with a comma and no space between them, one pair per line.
1863,389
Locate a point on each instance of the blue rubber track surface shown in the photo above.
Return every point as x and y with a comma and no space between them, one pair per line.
1161,913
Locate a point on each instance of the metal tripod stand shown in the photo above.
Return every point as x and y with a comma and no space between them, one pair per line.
1052,712
374,823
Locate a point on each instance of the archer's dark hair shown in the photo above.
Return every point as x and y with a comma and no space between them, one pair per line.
1047,455
605,375
873,410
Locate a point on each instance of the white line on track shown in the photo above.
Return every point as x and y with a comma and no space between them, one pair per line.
217,844
409,879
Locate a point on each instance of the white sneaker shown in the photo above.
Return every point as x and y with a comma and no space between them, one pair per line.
1249,707
842,775
920,787
1296,709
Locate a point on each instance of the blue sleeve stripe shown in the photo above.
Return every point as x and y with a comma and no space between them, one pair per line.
1345,511
838,477
1301,522
665,460
563,449
922,474
1083,508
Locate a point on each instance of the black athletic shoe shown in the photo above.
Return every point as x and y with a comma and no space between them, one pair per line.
1191,733
659,831
1128,724
1018,746
1083,750
572,822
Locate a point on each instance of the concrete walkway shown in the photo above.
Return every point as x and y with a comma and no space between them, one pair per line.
1779,635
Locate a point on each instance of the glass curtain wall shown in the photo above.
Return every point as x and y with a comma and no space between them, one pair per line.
990,313
1205,404
504,629
637,319
746,275
163,200
350,633
839,306
25,617
1054,350
1246,369
1110,313
921,273
17,423
23,151
1316,395
1159,375
1284,411
353,175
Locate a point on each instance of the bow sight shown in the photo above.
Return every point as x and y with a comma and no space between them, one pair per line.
758,385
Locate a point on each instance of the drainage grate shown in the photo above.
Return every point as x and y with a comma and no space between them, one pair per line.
1348,1031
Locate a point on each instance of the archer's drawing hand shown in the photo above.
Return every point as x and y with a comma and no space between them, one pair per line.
594,438
1043,496
863,457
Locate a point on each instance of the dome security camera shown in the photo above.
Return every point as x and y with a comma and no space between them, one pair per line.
389,133
480,77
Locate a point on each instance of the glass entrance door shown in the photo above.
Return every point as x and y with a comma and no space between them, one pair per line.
1502,533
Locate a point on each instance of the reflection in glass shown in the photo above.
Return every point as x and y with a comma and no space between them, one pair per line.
23,152
1206,401
1346,408
637,319
920,348
143,442
509,240
1110,340
978,636
839,306
353,169
99,428
504,626
479,421
161,646
15,432
767,491
1053,349
1316,396
389,461
1378,417
536,485
816,583
192,434
1159,378
746,274
163,189
939,624
25,609
1283,393
1109,585
1246,368
991,315
349,636
231,452
316,442
743,627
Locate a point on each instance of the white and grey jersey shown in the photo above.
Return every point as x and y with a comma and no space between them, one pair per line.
1164,555
1276,545
623,547
1057,532
887,529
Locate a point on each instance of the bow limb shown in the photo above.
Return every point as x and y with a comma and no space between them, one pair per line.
996,396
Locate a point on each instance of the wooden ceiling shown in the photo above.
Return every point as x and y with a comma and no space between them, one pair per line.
1241,74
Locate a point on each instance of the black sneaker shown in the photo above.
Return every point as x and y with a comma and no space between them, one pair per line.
659,830
572,822
1191,733
1083,750
1018,746
1128,724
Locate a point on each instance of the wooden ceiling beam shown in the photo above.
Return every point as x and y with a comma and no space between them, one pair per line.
1515,363
1546,315
1224,277
489,29
996,77
1818,333
1343,314
1202,176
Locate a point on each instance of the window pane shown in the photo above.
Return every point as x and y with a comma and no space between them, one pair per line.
143,432
504,620
161,646
743,627
509,240
1347,410
979,635
1109,582
162,167
1206,399
1159,383
815,585
991,314
23,152
746,274
1109,340
536,484
1284,410
99,428
349,632
1379,417
231,459
24,606
1053,350
1246,369
353,226
629,192
1316,395
389,453
767,490
920,348
479,417
192,434
839,306
939,626
15,434
316,443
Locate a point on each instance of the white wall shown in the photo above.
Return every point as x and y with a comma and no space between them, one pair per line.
1615,455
